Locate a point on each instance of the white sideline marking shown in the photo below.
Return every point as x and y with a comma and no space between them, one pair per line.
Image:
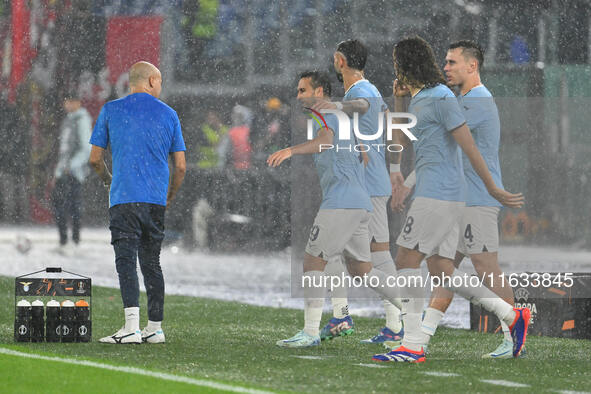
441,374
505,383
371,365
138,371
309,357
571,392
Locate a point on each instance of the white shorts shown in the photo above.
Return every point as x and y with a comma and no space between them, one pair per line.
432,227
378,220
479,230
340,231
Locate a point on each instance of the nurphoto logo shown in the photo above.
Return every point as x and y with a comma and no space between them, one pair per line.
344,131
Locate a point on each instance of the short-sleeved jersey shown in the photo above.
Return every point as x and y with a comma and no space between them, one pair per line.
341,173
438,161
482,116
142,131
377,177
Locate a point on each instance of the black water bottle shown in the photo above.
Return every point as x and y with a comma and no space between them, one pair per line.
68,319
83,323
22,321
37,322
53,322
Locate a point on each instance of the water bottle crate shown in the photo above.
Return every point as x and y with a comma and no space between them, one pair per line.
54,306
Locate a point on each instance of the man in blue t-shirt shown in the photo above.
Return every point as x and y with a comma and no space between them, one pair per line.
142,133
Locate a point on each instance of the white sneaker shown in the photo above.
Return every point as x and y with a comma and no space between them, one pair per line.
153,336
123,337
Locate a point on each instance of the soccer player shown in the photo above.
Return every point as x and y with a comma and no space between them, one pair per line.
479,236
341,224
432,222
363,97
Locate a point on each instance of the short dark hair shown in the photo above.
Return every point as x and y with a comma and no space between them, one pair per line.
470,48
355,53
318,79
415,63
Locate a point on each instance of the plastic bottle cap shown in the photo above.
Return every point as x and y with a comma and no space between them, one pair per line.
81,303
67,304
53,303
37,303
23,303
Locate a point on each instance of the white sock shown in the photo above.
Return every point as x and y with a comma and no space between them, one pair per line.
391,294
382,261
506,332
431,321
340,307
153,326
482,296
132,319
338,294
412,308
313,302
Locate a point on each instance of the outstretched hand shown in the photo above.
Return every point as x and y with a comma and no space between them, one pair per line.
275,159
510,200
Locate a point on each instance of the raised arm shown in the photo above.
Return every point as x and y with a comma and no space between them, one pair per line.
360,106
322,140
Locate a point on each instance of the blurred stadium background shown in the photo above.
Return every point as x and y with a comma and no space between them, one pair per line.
232,63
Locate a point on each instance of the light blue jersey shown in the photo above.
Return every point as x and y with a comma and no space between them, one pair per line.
377,177
438,161
341,174
482,116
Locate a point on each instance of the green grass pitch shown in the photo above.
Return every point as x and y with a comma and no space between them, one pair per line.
234,344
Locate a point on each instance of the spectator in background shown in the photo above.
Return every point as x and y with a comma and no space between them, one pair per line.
519,50
237,146
13,165
212,133
72,169
273,130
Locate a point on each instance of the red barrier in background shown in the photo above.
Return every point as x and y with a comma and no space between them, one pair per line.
129,40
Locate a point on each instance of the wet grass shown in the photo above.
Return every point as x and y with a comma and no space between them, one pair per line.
234,343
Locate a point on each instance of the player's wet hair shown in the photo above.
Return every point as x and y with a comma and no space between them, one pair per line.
415,63
355,53
470,49
318,79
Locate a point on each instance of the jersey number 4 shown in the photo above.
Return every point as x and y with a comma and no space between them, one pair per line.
468,233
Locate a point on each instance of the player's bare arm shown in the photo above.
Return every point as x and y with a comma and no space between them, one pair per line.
307,148
97,162
401,93
464,139
178,174
359,106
